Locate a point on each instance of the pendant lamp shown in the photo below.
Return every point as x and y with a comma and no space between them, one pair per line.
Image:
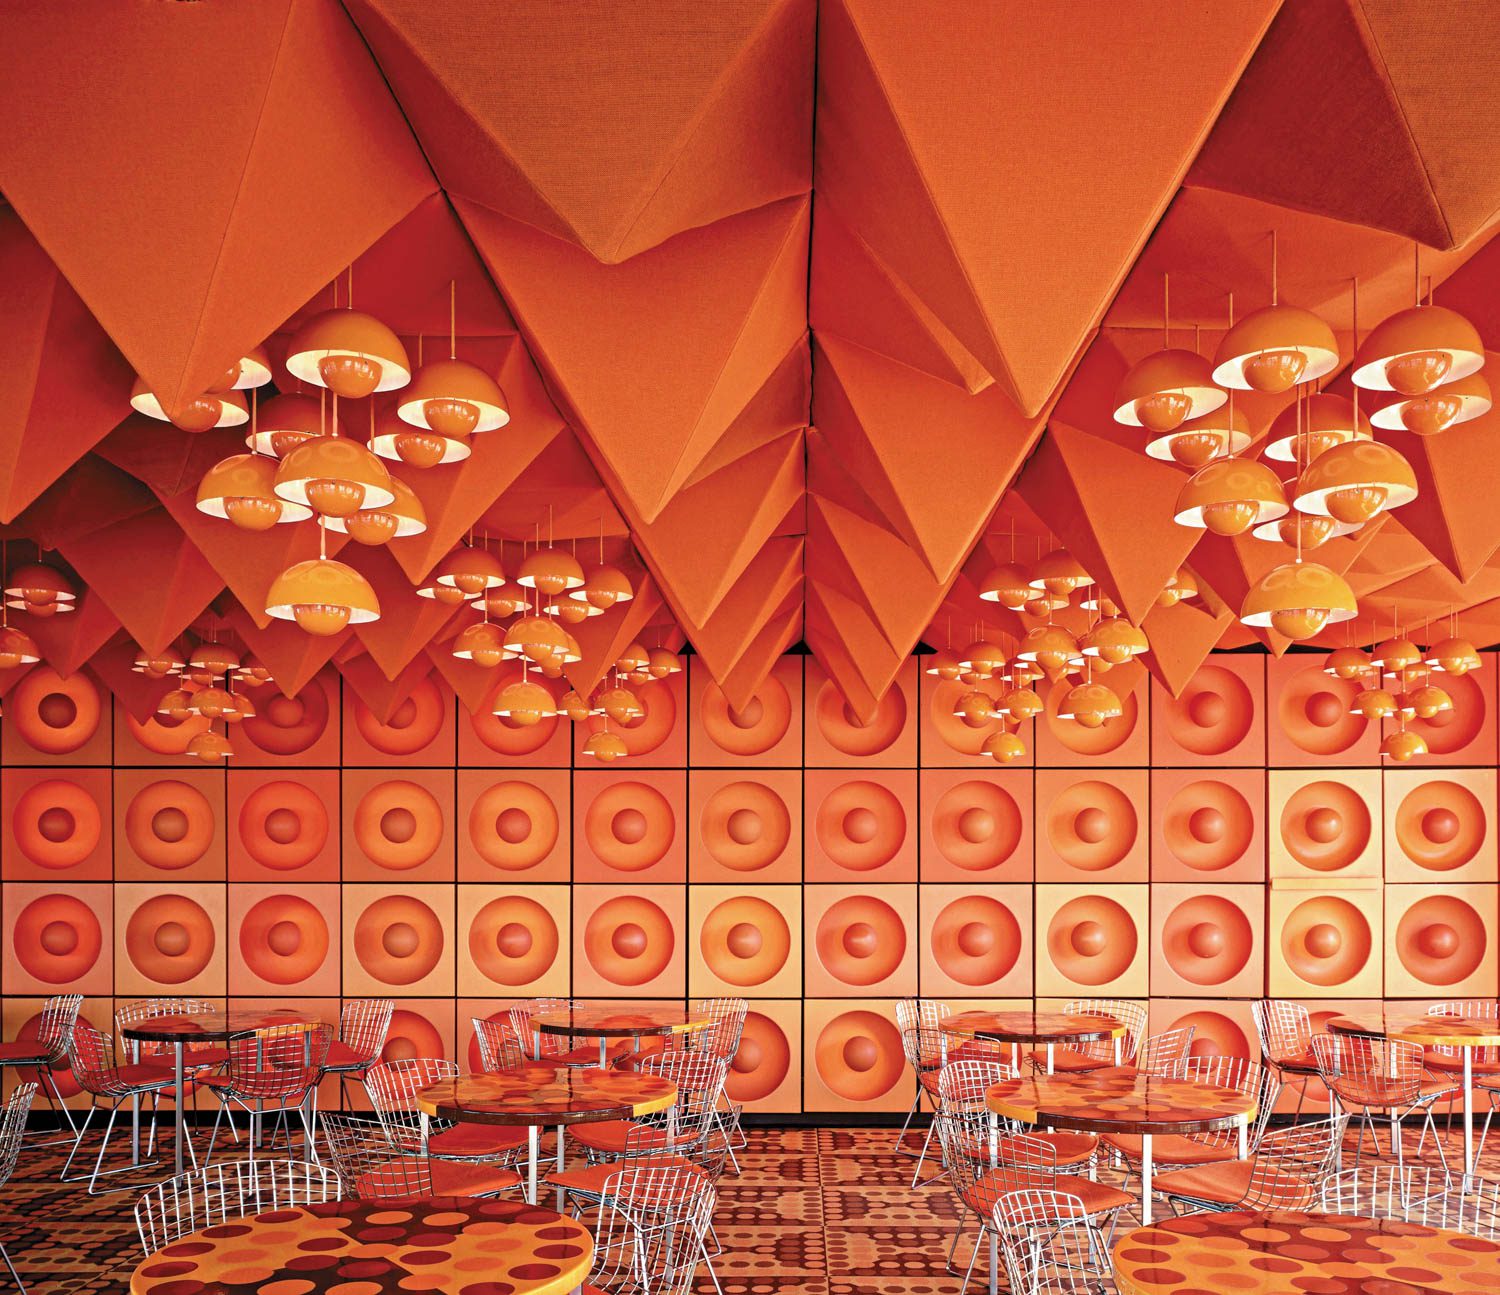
621,705
1210,436
350,353
1091,704
471,570
334,476
1059,573
1229,496
661,663
1009,585
242,490
1436,411
1453,655
400,519
481,643
524,703
209,746
17,648
1355,482
975,709
1168,387
198,414
1324,421
417,447
1347,663
285,422
1403,745
1115,641
1297,599
1417,351
1004,748
605,746
322,595
453,397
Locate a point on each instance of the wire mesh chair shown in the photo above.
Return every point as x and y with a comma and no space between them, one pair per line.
1048,1242
393,1086
1367,1075
499,1048
1416,1194
1097,1053
12,1130
1285,1033
1441,1059
649,1234
1286,1171
195,1056
962,1086
372,1166
98,1072
684,1127
559,1049
363,1026
1164,1054
41,1054
274,1071
1218,1145
924,1046
215,1193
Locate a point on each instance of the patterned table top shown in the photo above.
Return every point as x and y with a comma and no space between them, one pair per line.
544,1095
1417,1027
1033,1027
621,1020
197,1026
459,1245
1118,1101
1289,1252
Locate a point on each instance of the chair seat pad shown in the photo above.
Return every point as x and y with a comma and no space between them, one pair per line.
1298,1063
341,1057
588,1180
587,1054
1379,1093
449,1177
22,1051
1097,1198
608,1137
1169,1149
476,1141
147,1077
1227,1184
1070,1148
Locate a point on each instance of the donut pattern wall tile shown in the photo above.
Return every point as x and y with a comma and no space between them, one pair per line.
1207,939
1222,1027
859,826
1310,720
1440,825
746,826
1207,825
1325,943
628,941
1322,827
170,940
55,825
284,939
860,941
421,730
282,826
976,825
629,828
169,825
58,939
748,941
1091,828
1440,941
852,1058
52,719
976,938
512,940
1090,940
1217,719
837,737
398,940
514,825
1125,740
766,731
398,825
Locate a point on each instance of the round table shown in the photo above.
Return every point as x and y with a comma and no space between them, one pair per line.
536,1095
1124,1102
457,1244
1462,1032
202,1027
1018,1027
616,1021
1289,1251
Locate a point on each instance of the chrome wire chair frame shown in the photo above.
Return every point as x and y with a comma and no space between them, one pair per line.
273,1071
1419,1194
375,1166
12,1130
1287,1170
923,1045
722,1039
499,1048
364,1024
685,1128
211,1195
1097,1053
1285,1033
1163,1055
1484,1061
94,1062
41,1055
392,1087
650,1229
197,1058
1366,1075
1048,1242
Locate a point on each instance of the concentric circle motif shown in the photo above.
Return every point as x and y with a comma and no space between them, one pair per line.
505,737
1214,1035
1091,825
1208,825
1455,729
1207,940
1214,713
284,939
513,940
54,715
645,733
57,939
415,723
755,729
411,1035
976,940
1325,825
286,725
1326,940
56,824
163,736
745,940
841,727
1092,940
170,939
762,1062
1314,713
745,826
1441,940
398,940
1440,825
398,825
628,940
1109,736
283,825
169,824
629,826
861,940
977,825
513,825
860,825
858,1056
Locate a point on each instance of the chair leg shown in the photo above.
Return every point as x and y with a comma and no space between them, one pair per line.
984,1229
916,1101
77,1142
15,1276
916,1178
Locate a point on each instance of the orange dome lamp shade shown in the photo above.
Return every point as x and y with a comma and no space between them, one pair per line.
982,659
1229,496
253,370
1297,599
453,398
1324,422
397,440
632,662
975,709
1165,390
1050,646
603,586
1403,745
1004,747
551,571
570,611
535,638
1436,411
200,414
241,489
210,746
574,706
1347,663
524,703
1418,350
661,663
1453,655
605,746
1356,482
942,664
1090,704
1009,585
400,519
351,353
621,705
41,589
155,665
1199,440
1115,641
252,670
322,596
1427,702
1374,704
17,648
1274,349
1394,656
287,421
334,476
210,661
1059,573
482,643
1182,586
470,570
1303,531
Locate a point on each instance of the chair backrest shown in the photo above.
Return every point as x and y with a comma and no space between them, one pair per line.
699,1077
91,1058
650,1229
1130,1014
1370,1072
499,1048
56,1026
144,1009
1291,1165
208,1196
369,1163
722,1038
393,1085
1164,1054
1041,1244
921,1035
280,1062
550,1045
1476,1009
13,1128
1414,1194
364,1023
963,1084
1284,1028
1240,1075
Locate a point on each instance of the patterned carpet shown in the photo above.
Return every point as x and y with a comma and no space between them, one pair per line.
814,1212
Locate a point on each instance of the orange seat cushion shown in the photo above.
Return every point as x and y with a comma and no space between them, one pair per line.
608,1136
1454,1062
1097,1198
589,1180
476,1140
1227,1183
1067,1061
1381,1093
1170,1149
449,1177
18,1053
342,1057
1070,1148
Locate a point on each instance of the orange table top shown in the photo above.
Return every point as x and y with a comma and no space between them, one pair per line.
1287,1252
621,1020
1033,1027
1417,1027
1120,1101
540,1094
197,1026
376,1248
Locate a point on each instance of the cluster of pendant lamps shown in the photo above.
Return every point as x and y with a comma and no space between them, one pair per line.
1419,371
207,675
37,589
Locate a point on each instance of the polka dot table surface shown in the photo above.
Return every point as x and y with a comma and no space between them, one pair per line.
1120,1101
214,1025
1033,1027
1321,1254
458,1245
544,1095
1430,1031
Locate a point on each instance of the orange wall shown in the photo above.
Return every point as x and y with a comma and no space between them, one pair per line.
1197,853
